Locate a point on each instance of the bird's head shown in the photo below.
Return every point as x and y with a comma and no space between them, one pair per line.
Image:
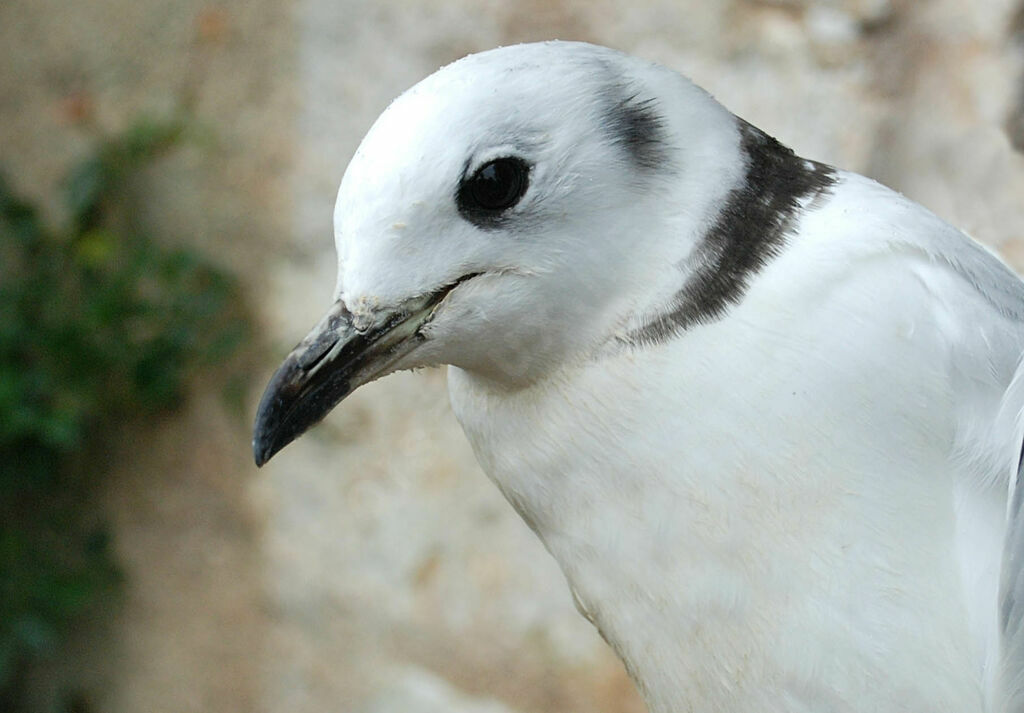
494,218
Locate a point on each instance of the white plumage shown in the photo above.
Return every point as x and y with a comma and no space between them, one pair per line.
763,412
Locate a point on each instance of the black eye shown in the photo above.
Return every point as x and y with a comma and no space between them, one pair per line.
495,187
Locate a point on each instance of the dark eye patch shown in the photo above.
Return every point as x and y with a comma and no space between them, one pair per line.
493,189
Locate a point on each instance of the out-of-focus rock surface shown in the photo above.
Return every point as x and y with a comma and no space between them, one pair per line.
371,567
191,631
416,690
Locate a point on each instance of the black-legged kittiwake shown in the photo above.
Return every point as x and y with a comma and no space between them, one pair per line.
763,411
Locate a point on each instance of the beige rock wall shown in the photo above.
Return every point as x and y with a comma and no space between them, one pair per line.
371,566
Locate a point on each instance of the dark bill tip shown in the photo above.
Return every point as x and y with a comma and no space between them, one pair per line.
291,405
310,382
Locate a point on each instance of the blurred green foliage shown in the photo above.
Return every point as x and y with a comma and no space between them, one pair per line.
98,326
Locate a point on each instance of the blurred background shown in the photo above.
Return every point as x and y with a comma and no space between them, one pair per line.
167,177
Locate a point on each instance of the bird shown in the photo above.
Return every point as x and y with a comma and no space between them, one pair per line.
763,412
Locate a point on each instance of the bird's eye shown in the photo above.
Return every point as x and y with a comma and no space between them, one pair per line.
495,187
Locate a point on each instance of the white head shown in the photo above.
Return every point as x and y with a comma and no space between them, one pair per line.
503,215
600,161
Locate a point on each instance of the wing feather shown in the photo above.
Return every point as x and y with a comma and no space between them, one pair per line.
977,308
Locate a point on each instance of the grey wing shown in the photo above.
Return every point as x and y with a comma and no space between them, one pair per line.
990,345
1009,674
978,304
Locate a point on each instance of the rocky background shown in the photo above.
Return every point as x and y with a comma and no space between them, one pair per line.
371,567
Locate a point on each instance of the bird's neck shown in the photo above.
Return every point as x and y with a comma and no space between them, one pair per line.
663,566
696,545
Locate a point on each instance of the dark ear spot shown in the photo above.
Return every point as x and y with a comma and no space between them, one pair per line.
635,124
